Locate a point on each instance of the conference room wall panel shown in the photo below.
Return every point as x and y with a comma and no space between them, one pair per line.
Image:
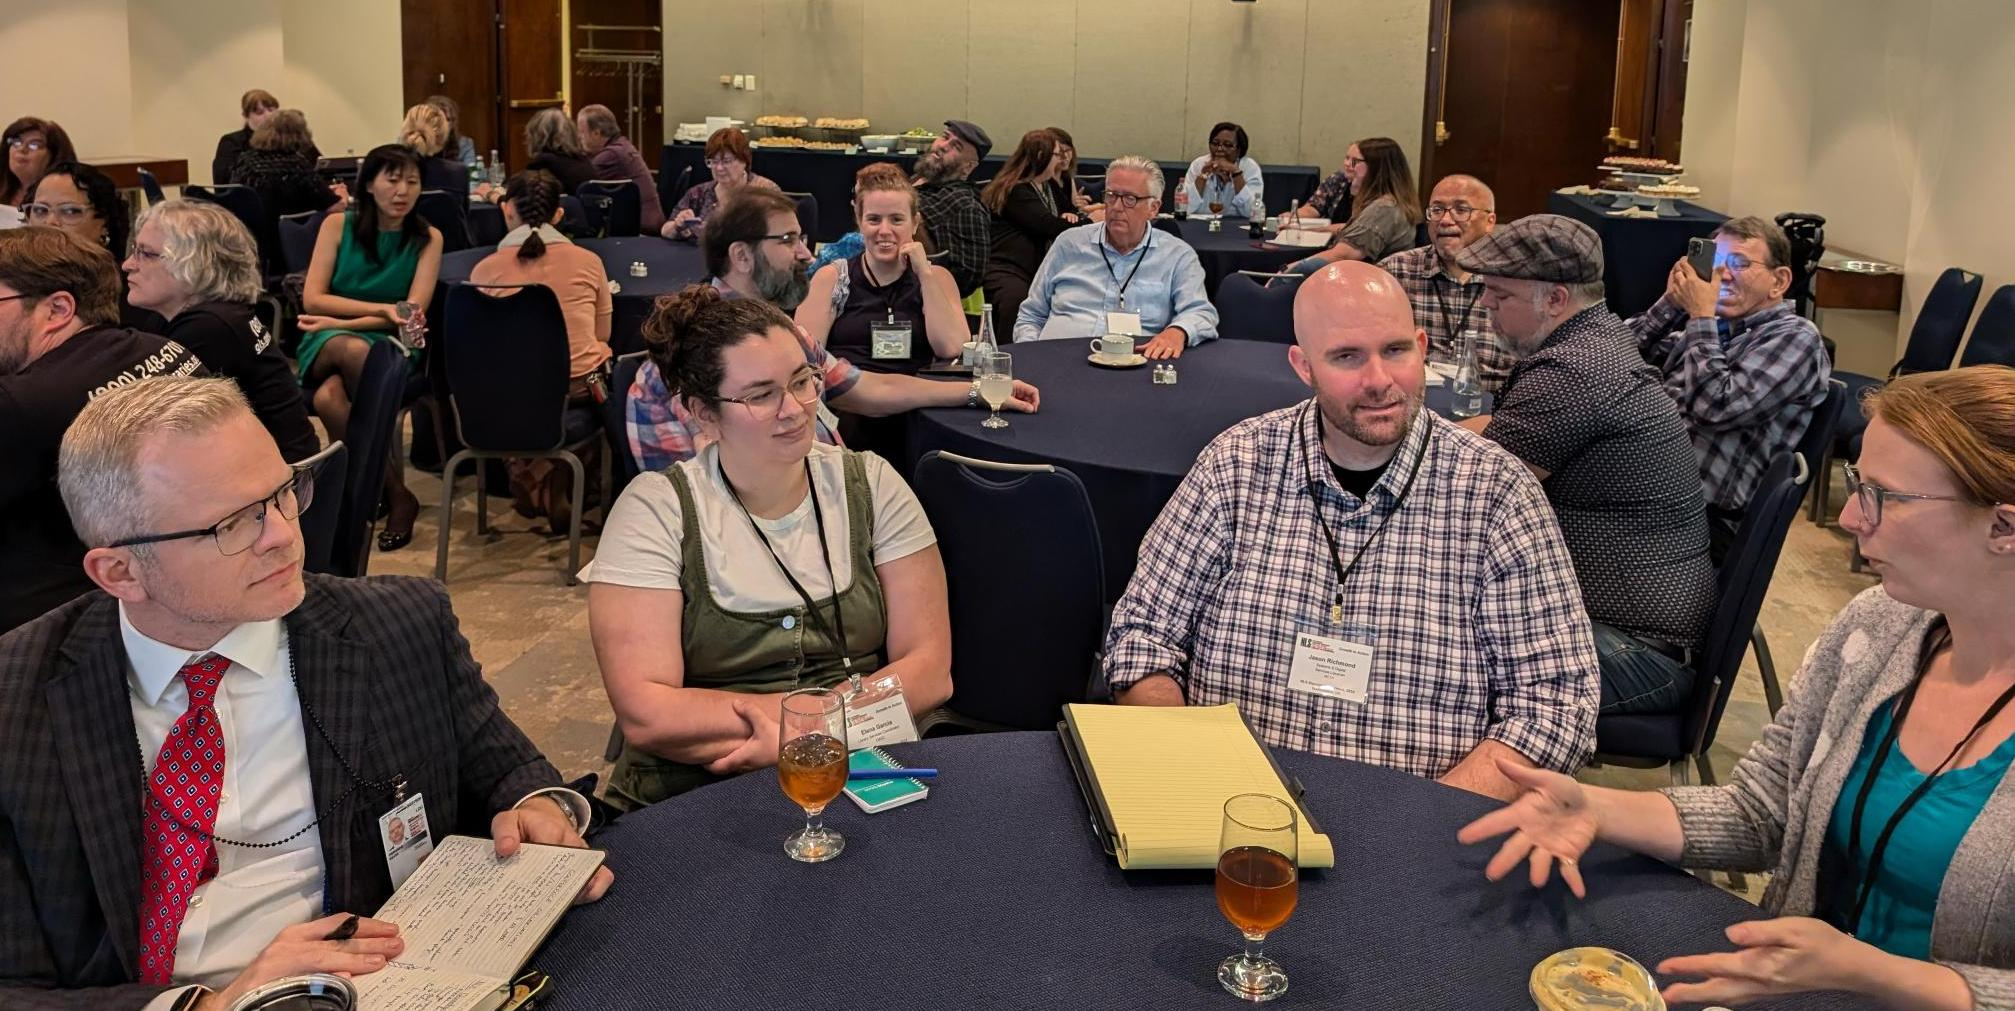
1131,76
191,62
1246,65
929,74
1366,77
1023,74
70,63
812,56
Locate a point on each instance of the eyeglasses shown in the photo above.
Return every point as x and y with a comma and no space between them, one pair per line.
805,388
241,529
787,238
723,161
1126,201
1349,161
67,213
1458,212
26,144
1737,264
143,253
1871,496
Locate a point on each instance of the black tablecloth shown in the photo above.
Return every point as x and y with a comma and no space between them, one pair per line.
990,893
1232,249
829,175
672,266
1637,253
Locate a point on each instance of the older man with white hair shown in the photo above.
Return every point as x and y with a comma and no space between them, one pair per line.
1118,266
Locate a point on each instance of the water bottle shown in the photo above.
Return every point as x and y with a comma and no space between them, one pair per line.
496,176
1182,201
477,175
1467,385
986,342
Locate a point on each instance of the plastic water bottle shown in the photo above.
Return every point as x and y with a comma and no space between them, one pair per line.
1467,386
477,174
986,342
1182,202
496,175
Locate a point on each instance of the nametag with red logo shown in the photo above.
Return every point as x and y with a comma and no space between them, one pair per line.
1333,662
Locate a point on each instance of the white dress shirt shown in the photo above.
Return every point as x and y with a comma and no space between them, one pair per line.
1249,202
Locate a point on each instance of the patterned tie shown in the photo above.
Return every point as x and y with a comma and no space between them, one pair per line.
177,853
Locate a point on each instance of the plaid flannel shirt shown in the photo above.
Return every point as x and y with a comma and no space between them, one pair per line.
1468,597
1444,307
1747,388
959,226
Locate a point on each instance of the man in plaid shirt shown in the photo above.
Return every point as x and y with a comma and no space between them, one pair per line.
1447,299
958,223
1359,524
1745,369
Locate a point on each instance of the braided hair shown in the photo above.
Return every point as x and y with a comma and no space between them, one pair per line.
534,195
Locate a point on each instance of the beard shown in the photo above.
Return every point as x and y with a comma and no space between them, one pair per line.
13,351
784,288
1345,417
931,168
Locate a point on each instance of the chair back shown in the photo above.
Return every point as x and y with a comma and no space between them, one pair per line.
613,207
808,215
449,213
504,353
1026,578
669,195
151,186
1993,339
374,417
319,522
1934,337
1807,233
1092,186
1742,583
1169,226
615,421
244,204
297,239
1251,309
1813,445
574,218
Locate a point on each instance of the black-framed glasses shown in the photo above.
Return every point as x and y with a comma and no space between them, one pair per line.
805,388
1871,496
1458,212
13,298
1126,201
241,529
787,238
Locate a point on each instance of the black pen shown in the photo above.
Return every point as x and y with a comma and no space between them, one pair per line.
344,930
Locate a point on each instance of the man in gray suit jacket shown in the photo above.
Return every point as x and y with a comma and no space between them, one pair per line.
195,758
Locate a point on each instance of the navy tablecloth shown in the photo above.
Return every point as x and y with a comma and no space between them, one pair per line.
1637,253
672,266
1232,249
991,893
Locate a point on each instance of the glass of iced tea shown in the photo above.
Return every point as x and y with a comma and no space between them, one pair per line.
812,766
1256,888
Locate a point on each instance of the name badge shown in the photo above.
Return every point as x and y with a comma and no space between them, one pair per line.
1335,666
403,831
1127,323
878,714
889,340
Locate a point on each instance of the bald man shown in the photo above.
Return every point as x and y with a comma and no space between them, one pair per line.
1365,579
1447,299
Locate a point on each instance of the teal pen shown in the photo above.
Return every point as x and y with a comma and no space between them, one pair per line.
891,774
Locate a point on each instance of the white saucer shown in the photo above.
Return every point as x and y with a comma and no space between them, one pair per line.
1132,361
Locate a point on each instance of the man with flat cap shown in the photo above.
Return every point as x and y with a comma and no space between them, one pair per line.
1590,418
959,224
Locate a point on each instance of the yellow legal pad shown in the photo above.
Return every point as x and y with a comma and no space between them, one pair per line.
1162,776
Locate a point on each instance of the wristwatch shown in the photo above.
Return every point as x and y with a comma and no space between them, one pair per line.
973,394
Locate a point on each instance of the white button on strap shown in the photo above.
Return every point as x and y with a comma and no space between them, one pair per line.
790,621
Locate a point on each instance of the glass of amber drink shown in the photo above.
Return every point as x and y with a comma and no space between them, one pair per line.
812,767
1256,887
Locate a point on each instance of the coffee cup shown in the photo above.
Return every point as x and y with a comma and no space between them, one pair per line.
1113,346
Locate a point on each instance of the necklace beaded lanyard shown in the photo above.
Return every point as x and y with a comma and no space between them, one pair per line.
818,618
1336,557
1146,245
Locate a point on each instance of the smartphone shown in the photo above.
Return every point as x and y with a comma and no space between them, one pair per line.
1700,253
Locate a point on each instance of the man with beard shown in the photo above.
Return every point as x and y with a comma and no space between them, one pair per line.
1365,579
60,346
959,224
754,249
1446,298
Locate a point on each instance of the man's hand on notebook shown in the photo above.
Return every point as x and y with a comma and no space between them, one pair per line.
308,947
540,820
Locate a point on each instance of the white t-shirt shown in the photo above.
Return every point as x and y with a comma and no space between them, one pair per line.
641,542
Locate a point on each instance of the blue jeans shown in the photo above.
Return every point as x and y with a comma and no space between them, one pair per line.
1637,678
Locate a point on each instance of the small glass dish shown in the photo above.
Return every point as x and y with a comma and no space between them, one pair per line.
1593,979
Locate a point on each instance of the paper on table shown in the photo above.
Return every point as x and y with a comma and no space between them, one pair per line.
465,910
1165,774
403,987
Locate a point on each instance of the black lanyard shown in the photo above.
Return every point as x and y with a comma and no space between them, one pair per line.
1874,869
1336,557
811,609
1146,245
1467,308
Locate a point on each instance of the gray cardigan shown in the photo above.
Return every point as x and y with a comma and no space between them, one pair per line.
1773,813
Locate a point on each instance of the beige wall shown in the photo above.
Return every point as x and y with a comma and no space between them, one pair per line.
68,62
1884,117
343,68
1142,76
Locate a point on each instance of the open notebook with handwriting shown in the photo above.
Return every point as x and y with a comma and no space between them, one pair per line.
1156,779
470,921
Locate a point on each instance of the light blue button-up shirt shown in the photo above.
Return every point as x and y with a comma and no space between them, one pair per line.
1075,287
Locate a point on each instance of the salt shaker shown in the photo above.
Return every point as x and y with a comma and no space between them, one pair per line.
1168,373
637,269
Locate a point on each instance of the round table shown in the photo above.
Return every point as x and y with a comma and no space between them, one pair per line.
991,892
1233,249
1130,441
672,266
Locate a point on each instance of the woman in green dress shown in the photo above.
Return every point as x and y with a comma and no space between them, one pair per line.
367,261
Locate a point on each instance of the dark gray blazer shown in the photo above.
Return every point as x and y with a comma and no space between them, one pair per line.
382,668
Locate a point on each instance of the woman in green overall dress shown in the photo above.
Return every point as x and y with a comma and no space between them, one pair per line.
697,596
366,262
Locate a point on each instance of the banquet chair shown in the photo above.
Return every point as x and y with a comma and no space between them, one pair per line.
1025,574
808,215
1812,448
669,195
623,465
297,239
613,207
1993,339
151,185
1249,309
319,520
1807,233
447,212
1934,340
1675,739
505,360
373,431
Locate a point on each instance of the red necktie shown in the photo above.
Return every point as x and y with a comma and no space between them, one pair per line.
177,853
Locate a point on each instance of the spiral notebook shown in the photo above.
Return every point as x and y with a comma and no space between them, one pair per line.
876,795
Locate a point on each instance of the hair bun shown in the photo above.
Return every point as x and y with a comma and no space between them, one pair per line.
674,314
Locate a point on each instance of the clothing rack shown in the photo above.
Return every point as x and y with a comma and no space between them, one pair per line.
636,66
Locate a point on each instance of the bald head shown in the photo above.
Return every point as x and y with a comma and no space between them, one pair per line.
1357,345
1353,296
1460,211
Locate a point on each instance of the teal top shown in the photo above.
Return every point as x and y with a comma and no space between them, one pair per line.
389,280
1900,907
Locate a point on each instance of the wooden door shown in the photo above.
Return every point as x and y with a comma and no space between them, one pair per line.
450,48
634,91
531,76
1522,90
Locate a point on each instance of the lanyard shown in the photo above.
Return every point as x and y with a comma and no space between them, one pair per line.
1874,871
1467,308
1335,557
811,609
1146,245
